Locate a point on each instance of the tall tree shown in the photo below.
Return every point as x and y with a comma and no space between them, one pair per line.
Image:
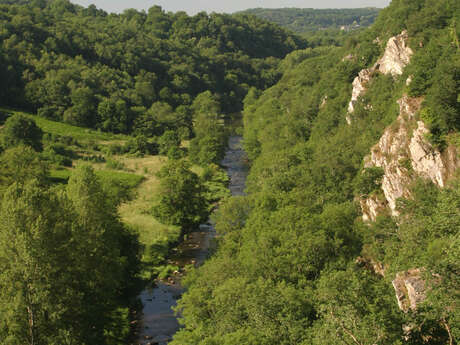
37,268
181,198
19,129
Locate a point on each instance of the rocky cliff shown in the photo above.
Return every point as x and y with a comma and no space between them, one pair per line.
396,56
404,153
409,288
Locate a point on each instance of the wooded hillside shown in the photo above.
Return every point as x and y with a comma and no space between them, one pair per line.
296,263
304,20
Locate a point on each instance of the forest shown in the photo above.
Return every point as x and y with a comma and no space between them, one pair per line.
308,20
296,264
112,130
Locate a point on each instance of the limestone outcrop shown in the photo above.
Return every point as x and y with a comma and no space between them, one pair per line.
429,162
396,56
359,87
404,153
410,289
372,206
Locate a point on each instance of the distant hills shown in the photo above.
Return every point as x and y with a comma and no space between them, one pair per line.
303,20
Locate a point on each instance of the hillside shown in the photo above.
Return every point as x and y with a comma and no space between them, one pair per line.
112,132
349,233
308,20
99,70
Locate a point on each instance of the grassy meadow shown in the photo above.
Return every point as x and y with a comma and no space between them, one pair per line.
130,176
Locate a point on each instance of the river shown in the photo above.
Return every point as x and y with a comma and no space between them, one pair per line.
159,323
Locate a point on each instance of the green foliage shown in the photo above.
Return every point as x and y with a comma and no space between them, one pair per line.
168,141
70,261
208,146
298,232
307,20
165,271
20,164
181,199
215,181
88,68
58,154
138,145
114,256
113,164
284,271
19,129
427,237
118,186
369,180
355,306
35,228
208,149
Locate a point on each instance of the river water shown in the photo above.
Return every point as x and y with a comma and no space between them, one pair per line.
159,322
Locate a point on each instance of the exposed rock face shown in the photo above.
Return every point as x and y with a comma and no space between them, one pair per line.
396,57
410,289
391,153
404,154
372,206
359,86
429,162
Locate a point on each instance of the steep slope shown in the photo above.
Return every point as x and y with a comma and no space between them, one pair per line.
396,56
404,154
296,264
94,69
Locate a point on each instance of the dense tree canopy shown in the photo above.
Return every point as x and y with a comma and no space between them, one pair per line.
294,262
287,268
64,260
302,20
90,68
182,200
20,130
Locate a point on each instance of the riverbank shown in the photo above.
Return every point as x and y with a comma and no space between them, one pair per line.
159,323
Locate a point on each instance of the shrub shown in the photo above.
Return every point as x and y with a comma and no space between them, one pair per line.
20,129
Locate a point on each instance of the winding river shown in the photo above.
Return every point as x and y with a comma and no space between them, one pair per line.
159,323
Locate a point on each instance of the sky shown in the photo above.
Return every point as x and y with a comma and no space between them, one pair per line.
227,6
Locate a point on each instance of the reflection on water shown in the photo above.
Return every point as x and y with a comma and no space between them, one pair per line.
159,323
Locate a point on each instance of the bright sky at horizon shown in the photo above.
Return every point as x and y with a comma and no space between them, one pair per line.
228,6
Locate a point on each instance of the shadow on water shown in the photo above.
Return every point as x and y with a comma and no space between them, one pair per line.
159,323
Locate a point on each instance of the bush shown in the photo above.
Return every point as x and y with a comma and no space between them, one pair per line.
58,154
176,153
20,129
369,180
141,145
167,141
184,133
114,164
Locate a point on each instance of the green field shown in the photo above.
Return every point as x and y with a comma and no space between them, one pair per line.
135,182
